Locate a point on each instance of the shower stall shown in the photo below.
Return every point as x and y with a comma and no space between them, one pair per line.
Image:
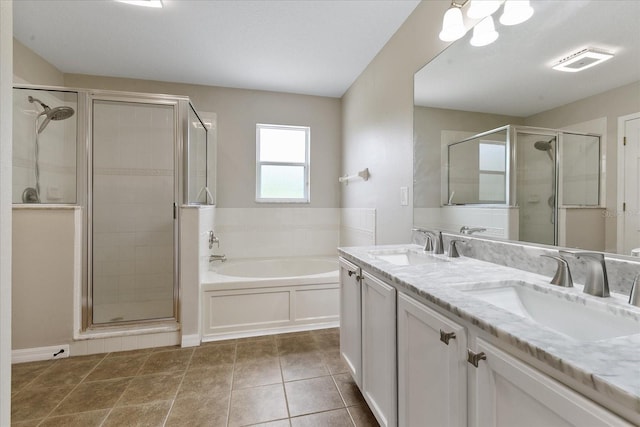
129,160
543,174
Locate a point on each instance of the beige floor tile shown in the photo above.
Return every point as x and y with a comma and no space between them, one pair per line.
206,382
334,362
327,341
136,352
149,388
206,357
298,366
257,373
84,419
297,344
167,361
205,411
23,373
362,416
257,405
336,418
32,403
92,396
247,351
278,423
118,367
65,372
349,390
312,395
146,415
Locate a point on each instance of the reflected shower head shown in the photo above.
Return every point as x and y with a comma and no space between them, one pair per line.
545,146
56,113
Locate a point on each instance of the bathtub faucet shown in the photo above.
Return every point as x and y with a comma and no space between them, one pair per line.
214,258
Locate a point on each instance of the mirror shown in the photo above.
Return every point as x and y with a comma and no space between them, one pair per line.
468,91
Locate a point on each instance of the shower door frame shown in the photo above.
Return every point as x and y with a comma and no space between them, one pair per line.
180,106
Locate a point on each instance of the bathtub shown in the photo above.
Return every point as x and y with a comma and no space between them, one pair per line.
250,297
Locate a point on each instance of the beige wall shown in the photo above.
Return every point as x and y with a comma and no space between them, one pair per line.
609,105
377,127
44,267
238,112
29,67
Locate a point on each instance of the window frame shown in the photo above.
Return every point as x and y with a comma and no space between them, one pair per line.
306,165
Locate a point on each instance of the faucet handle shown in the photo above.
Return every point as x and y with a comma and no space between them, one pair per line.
634,295
563,274
453,250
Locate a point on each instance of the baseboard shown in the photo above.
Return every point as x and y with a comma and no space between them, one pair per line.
190,340
270,331
40,353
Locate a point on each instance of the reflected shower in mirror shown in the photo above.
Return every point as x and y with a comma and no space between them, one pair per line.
566,180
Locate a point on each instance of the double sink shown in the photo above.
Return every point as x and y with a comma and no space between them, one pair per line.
567,312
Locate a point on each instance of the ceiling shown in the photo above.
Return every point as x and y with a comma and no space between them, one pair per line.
315,47
513,76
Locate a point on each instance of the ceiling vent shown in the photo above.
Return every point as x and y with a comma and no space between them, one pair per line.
586,58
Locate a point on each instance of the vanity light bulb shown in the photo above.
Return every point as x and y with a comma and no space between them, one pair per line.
516,12
482,8
452,25
484,33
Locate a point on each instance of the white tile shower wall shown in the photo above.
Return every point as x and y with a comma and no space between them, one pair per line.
357,226
277,232
57,155
133,201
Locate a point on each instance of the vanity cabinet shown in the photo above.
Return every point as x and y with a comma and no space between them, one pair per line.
351,318
432,379
507,392
379,349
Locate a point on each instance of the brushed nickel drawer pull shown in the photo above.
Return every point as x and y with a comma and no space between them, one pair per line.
445,337
474,358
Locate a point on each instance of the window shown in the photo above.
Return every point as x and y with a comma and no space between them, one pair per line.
492,176
282,163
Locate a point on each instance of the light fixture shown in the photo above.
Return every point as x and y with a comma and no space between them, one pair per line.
145,3
484,32
482,8
452,24
586,58
516,12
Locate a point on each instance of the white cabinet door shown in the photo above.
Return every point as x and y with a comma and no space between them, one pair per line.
432,371
351,319
379,349
509,393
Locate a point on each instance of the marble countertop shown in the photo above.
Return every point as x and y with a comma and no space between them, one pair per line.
610,366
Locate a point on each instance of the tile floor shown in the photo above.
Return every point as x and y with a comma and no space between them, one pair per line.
283,380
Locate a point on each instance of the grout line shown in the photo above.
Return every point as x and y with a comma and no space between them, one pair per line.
233,373
173,400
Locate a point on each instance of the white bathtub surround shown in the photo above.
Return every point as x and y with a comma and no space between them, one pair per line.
195,223
357,226
301,294
275,232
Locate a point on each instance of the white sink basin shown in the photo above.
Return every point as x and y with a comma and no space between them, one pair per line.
555,311
404,256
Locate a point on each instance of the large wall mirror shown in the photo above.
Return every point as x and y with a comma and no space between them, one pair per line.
505,143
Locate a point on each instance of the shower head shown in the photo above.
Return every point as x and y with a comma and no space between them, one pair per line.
56,113
545,146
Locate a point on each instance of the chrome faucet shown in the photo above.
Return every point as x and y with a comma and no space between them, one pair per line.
453,250
470,230
634,295
434,240
563,275
213,239
596,283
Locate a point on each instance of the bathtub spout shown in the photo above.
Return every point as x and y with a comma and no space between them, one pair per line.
214,258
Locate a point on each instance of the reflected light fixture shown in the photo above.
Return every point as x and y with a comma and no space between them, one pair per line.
586,58
516,12
484,32
145,3
482,8
452,24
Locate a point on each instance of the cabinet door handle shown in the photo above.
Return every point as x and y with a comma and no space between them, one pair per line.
351,273
445,337
474,358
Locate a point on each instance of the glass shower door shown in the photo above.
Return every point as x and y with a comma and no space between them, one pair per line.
132,212
536,187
